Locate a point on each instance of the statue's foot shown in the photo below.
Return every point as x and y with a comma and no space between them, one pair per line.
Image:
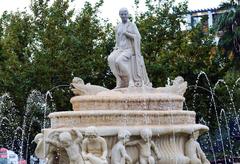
118,84
117,87
131,84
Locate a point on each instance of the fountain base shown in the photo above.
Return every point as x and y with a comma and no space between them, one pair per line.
170,139
132,110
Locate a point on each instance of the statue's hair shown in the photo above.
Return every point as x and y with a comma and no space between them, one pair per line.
146,132
38,136
195,133
78,80
123,133
91,130
179,79
65,136
123,9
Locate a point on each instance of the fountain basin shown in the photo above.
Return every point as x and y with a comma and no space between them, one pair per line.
157,130
120,118
123,101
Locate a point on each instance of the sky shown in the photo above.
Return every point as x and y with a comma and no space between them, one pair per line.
109,9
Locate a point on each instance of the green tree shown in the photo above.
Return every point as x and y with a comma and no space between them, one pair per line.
15,52
228,26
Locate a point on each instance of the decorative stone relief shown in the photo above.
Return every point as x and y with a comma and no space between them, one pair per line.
39,151
94,147
72,146
52,146
119,154
193,150
47,150
145,146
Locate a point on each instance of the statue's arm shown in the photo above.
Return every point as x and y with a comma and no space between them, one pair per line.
104,147
201,153
84,149
128,34
132,143
155,150
125,155
79,136
52,142
134,32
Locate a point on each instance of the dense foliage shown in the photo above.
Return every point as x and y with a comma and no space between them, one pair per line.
228,26
49,46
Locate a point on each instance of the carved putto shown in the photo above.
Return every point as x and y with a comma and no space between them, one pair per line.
146,146
39,151
119,154
193,150
94,147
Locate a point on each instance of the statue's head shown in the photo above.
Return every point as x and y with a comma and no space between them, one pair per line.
146,134
65,138
91,133
195,135
77,80
123,13
38,137
178,80
124,135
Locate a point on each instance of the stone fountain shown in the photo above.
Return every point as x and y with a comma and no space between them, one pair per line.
133,123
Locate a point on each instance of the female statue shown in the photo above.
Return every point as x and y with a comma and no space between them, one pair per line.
126,61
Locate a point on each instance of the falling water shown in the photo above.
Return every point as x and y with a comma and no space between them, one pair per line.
231,99
4,119
16,135
223,114
34,99
28,136
209,139
235,85
48,94
215,109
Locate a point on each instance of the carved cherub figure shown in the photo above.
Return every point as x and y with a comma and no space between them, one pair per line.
94,147
52,143
39,151
145,146
46,149
119,154
193,150
72,146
